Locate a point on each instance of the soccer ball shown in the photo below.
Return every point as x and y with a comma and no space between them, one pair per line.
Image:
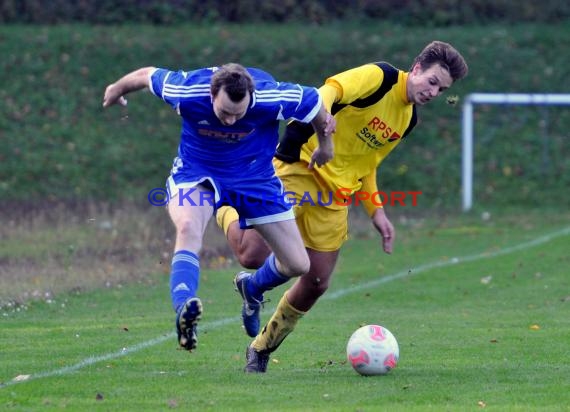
372,350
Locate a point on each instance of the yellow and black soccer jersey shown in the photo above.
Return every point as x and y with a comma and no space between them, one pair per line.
372,115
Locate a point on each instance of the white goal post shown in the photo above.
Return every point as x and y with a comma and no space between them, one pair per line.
467,127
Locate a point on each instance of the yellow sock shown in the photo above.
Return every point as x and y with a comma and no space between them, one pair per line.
225,216
281,324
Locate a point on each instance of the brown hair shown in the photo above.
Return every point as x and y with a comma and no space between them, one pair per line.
234,79
444,54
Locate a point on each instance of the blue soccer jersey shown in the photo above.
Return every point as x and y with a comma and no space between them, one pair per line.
251,141
235,160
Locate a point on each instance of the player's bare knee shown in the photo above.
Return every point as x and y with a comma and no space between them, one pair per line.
314,285
252,257
293,267
184,227
250,261
186,231
299,268
319,287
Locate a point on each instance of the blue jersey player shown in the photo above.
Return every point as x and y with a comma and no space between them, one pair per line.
230,125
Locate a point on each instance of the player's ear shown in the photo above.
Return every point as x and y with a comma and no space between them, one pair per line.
417,69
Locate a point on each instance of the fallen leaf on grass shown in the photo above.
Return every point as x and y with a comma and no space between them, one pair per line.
534,327
21,378
172,403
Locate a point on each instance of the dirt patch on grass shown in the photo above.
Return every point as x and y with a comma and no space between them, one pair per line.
77,247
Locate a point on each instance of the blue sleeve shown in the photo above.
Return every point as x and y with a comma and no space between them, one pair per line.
295,101
303,109
176,86
157,81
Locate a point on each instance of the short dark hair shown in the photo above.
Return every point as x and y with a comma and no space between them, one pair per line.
444,54
234,79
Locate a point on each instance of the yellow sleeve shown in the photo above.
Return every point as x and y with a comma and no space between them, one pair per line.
357,83
370,186
330,94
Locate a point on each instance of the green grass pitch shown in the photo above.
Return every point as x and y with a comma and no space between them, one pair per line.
481,311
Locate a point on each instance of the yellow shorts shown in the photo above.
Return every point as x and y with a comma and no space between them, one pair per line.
323,228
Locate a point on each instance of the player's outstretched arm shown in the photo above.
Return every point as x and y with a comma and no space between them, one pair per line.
136,80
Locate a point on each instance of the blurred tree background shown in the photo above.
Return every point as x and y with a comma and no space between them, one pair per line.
58,145
74,178
423,13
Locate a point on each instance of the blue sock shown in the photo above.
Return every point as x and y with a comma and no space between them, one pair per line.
266,278
184,277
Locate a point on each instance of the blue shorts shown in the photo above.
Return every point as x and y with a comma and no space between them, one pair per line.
257,199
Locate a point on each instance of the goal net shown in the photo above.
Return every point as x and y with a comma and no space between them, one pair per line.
515,149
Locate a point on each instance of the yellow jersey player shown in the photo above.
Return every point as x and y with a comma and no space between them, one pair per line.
374,106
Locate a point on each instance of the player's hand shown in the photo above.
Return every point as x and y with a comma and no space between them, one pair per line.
113,96
322,154
386,229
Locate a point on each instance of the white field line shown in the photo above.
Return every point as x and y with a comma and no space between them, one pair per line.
452,261
332,295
